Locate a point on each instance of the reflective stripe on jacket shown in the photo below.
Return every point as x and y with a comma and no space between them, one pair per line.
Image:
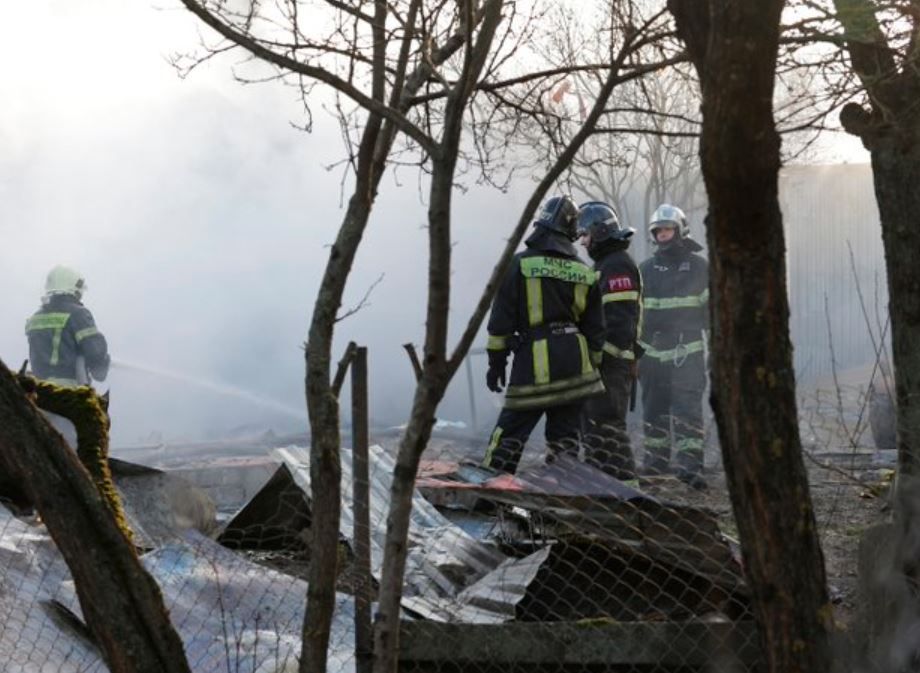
62,332
621,294
548,310
675,304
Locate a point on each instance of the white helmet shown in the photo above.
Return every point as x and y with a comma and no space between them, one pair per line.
64,280
669,216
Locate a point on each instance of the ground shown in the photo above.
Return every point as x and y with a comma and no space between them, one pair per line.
843,507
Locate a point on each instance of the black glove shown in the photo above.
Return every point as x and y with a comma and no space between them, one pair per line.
495,377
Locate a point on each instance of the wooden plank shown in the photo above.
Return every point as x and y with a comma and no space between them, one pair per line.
590,642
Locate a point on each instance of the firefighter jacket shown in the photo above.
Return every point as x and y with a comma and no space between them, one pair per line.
675,302
63,340
621,294
548,312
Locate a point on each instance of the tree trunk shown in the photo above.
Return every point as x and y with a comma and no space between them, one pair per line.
121,603
734,48
322,403
421,420
323,410
428,394
889,127
431,387
896,170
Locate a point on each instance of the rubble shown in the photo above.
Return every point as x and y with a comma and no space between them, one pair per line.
559,548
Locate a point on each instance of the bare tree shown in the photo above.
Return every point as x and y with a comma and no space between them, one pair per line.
646,152
463,76
882,43
565,137
871,49
358,45
734,48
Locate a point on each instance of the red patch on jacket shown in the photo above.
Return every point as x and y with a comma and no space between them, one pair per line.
623,283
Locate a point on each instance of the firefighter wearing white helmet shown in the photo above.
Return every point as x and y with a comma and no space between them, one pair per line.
675,313
65,346
669,217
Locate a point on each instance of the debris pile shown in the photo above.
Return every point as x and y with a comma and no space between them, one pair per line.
530,556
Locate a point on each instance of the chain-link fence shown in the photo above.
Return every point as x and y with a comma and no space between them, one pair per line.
559,567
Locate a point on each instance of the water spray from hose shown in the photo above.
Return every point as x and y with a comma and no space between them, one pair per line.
213,386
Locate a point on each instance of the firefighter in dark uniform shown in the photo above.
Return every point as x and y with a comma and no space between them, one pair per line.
65,347
548,312
606,442
673,372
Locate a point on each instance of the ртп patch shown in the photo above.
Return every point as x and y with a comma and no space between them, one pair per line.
622,283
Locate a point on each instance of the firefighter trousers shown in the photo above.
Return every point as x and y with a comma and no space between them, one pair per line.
672,397
606,441
563,430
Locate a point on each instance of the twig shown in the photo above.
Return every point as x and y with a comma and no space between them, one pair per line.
851,438
413,358
361,304
833,468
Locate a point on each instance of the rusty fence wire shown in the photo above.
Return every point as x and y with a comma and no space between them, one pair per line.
558,567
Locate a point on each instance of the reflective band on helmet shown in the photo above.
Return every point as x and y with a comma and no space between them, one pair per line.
534,302
694,301
497,343
541,361
630,295
561,269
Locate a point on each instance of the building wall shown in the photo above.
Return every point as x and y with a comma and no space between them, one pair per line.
827,211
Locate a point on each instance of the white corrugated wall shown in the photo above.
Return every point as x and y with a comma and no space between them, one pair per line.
825,208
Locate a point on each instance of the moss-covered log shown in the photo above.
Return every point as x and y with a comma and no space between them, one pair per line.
89,414
121,603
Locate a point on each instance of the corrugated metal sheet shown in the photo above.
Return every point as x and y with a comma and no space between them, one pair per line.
34,576
442,559
582,499
231,614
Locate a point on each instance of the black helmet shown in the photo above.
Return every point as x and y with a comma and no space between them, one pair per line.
600,221
559,214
